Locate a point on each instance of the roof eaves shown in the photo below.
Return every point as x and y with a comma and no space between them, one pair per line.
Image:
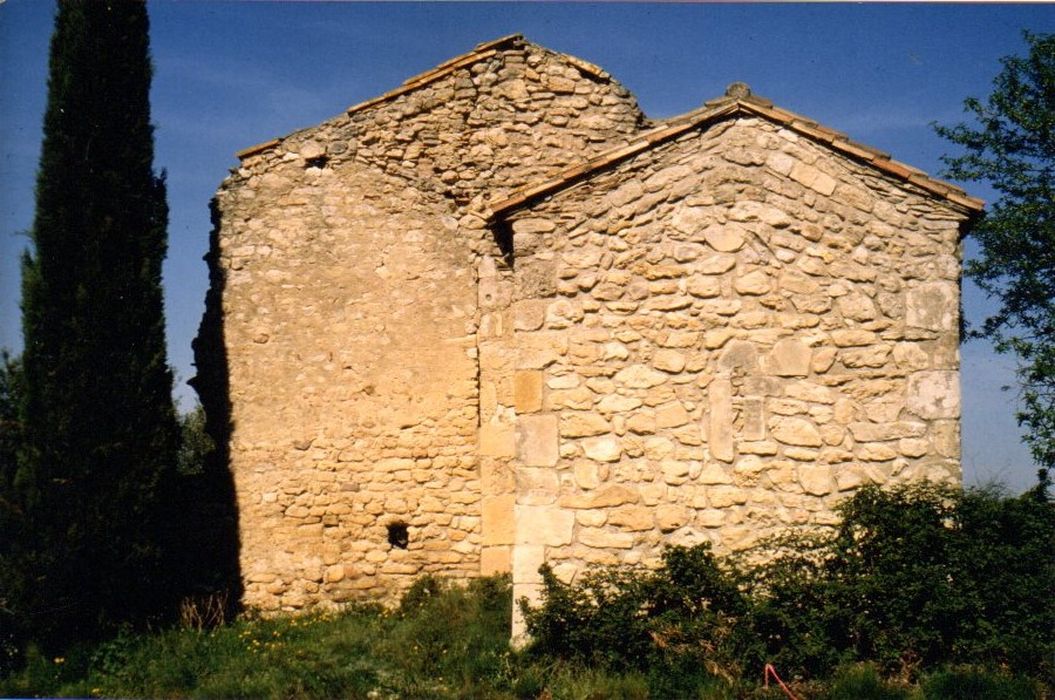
479,53
644,142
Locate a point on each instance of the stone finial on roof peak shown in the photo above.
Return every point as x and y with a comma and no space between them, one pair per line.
738,90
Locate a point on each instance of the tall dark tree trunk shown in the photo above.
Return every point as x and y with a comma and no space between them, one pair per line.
101,431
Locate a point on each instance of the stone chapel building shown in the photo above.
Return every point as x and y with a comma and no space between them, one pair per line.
497,316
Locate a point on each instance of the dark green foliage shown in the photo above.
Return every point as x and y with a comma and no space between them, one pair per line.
913,578
100,429
12,577
864,681
677,623
1011,145
969,683
195,443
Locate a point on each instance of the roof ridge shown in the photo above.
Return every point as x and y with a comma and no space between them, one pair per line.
720,108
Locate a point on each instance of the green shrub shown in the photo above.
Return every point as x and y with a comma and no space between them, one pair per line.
676,623
914,578
967,683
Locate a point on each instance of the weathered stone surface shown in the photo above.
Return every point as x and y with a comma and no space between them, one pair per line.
527,391
548,525
602,449
796,431
710,339
790,358
934,394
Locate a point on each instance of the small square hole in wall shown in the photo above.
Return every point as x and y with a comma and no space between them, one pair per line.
398,535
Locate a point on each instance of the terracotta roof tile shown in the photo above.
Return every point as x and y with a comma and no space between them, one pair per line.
752,105
253,150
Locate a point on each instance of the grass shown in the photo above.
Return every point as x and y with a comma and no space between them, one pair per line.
442,642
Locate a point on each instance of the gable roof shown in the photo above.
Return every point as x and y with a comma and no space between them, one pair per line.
738,101
479,53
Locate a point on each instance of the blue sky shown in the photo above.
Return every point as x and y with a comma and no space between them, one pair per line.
229,75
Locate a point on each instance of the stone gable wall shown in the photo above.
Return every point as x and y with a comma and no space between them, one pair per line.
348,314
713,340
719,339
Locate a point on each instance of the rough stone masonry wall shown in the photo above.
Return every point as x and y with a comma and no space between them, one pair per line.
721,338
350,321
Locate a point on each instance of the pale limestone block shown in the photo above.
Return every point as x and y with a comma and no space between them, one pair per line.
497,440
724,238
580,424
626,193
615,351
537,443
849,478
632,518
882,432
548,525
675,472
911,356
603,449
540,349
823,359
527,391
526,561
669,361
642,422
671,415
874,356
934,394
913,447
720,419
710,517
689,220
754,422
857,306
671,517
640,377
579,398
932,306
657,448
715,264
537,486
764,448
704,287
808,391
495,560
790,358
716,338
813,178
726,496
754,283
816,479
606,497
591,518
875,452
739,355
588,475
602,538
563,381
852,337
832,434
797,282
796,431
497,521
617,403
945,436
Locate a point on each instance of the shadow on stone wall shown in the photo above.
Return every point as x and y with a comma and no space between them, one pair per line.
212,537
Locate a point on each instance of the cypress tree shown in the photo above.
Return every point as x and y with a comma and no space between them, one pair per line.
101,433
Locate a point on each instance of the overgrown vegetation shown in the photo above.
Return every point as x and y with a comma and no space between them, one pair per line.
912,579
921,592
1010,143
